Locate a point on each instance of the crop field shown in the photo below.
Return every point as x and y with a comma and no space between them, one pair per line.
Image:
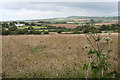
49,56
65,25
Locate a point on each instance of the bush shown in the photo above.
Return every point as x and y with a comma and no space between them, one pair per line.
5,24
106,32
45,32
99,31
86,31
12,28
30,28
59,32
6,32
76,32
36,32
96,31
21,31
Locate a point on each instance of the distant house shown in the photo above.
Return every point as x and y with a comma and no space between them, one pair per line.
19,25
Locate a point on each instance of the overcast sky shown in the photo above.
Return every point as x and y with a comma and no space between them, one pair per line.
42,10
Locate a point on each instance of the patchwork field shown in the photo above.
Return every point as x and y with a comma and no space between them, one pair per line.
35,27
49,56
65,25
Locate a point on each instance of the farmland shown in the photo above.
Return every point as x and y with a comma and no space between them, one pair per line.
35,27
56,48
59,40
73,24
65,25
49,56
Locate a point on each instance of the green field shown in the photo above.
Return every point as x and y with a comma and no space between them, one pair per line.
35,27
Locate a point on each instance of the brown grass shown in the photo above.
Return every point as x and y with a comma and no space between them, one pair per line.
47,55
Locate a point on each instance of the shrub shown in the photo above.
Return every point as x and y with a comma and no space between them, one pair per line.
36,32
6,32
99,31
5,24
31,32
21,31
45,32
106,32
85,30
30,28
59,32
76,32
96,31
12,28
98,57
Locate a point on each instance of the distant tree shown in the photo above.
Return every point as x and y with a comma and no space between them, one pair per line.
59,31
22,22
86,31
26,23
45,32
5,24
30,28
5,32
12,28
79,28
36,32
12,23
32,24
103,28
21,31
29,32
92,21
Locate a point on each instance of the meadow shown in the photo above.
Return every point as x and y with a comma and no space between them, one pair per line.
49,56
35,27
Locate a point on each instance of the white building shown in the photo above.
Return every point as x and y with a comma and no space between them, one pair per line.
19,25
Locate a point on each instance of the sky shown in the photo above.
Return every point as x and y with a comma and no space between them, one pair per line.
42,10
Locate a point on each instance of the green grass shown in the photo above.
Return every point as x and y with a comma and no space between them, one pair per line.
36,27
23,27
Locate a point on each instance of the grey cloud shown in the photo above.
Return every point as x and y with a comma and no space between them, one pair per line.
108,6
12,10
32,6
56,6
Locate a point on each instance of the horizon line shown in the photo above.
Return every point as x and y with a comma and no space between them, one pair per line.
50,18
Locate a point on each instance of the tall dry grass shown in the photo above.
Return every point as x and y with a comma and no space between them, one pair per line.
48,55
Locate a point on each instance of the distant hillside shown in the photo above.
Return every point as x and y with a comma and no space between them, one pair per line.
81,19
74,19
